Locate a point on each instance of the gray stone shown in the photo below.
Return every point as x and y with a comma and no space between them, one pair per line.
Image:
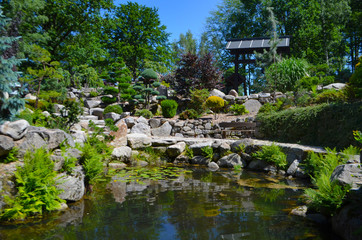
348,174
6,144
46,113
92,103
97,112
252,105
246,157
163,131
16,130
179,124
264,95
253,96
31,141
58,159
233,93
200,160
141,128
72,185
217,93
176,149
224,148
213,166
142,120
179,135
122,153
79,136
299,211
235,146
197,147
30,97
117,165
260,165
93,118
125,114
73,152
130,121
58,107
337,86
120,136
157,142
137,140
154,122
229,98
140,163
230,161
114,116
293,167
208,126
71,95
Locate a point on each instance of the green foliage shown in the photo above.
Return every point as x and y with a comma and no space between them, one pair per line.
358,136
108,100
93,94
198,99
284,75
36,187
355,82
69,115
69,164
322,125
11,156
238,109
144,113
42,104
35,118
169,108
110,91
215,103
330,95
149,74
189,152
208,152
272,154
87,76
110,123
51,96
189,114
113,108
350,151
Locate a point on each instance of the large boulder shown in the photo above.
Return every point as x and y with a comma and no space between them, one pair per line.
120,136
141,128
230,161
197,147
154,122
114,116
158,142
163,131
16,130
6,144
348,221
293,167
260,165
252,105
176,149
122,153
336,86
217,93
97,112
200,160
130,121
92,103
72,185
137,140
348,174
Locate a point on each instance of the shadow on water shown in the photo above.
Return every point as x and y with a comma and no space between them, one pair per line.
196,205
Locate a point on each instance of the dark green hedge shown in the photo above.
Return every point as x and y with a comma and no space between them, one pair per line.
328,125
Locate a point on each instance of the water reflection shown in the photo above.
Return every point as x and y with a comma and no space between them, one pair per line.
201,205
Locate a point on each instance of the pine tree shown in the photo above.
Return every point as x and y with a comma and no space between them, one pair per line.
10,102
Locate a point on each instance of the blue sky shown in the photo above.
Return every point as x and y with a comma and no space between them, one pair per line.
182,15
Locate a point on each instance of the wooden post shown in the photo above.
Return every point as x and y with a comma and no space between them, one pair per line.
244,67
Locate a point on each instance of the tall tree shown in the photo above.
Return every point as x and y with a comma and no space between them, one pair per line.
136,34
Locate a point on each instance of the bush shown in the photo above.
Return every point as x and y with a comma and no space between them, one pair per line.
42,105
329,125
198,99
208,152
272,154
108,100
36,187
330,95
189,114
110,91
144,113
169,108
113,108
93,94
238,109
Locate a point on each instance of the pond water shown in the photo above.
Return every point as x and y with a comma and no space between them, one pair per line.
196,205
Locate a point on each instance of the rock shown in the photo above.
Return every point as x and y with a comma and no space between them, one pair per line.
200,160
141,128
16,130
97,112
58,159
179,135
253,96
29,142
117,165
92,103
122,153
264,95
337,86
213,166
72,185
224,148
299,211
114,116
208,126
157,142
246,157
71,95
140,163
235,146
58,108
197,147
348,221
233,93
130,121
125,114
6,144
217,93
73,152
142,120
348,174
154,122
252,105
300,173
120,136
79,136
176,149
137,140
163,131
46,113
260,165
30,97
230,161
181,159
229,98
293,167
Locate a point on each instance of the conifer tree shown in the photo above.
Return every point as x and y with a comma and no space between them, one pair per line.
10,102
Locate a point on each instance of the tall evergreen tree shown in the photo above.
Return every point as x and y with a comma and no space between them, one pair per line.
10,102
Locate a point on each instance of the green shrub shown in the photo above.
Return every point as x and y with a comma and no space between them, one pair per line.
238,109
108,100
69,164
215,103
208,152
272,154
189,114
113,108
198,99
110,91
330,95
189,152
144,113
169,108
110,123
355,82
51,96
42,104
36,187
93,94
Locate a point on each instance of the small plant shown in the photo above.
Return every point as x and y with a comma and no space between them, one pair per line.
350,151
358,136
189,152
11,156
144,113
241,148
238,109
108,100
198,99
330,95
208,152
113,108
93,94
69,164
169,108
110,91
272,154
237,168
215,103
189,114
110,123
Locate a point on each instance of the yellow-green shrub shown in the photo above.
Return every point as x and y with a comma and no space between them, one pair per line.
215,103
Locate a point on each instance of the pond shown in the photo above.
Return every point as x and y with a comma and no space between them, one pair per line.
196,205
